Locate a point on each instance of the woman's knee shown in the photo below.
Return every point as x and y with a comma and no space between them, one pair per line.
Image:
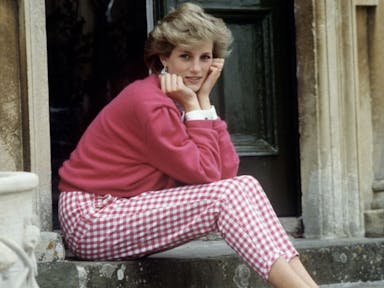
247,179
239,186
250,186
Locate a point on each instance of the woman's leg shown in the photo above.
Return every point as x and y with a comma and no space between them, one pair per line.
282,275
262,206
300,270
262,202
112,228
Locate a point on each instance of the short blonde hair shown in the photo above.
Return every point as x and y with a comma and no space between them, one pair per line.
187,26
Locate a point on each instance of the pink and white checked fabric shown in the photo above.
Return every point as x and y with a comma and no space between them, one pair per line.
111,228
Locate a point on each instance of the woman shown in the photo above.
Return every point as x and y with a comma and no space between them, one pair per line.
156,168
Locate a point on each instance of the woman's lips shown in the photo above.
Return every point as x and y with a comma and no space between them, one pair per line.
193,79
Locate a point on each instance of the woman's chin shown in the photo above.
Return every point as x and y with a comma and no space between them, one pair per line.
194,87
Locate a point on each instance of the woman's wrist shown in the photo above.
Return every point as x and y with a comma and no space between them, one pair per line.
191,105
205,102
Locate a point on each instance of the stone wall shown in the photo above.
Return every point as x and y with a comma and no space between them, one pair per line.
340,105
11,149
24,120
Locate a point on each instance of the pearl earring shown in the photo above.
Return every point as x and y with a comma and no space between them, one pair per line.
164,70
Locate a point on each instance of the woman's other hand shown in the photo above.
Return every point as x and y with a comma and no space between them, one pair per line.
205,90
174,87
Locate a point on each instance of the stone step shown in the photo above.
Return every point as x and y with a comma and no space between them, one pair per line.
376,284
213,264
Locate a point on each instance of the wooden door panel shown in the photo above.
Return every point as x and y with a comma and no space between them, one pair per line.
247,102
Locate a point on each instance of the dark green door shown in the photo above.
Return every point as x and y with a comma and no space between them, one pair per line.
256,93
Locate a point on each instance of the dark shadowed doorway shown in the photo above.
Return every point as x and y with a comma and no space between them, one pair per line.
94,50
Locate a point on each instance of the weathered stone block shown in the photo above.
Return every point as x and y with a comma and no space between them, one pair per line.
50,247
374,223
378,200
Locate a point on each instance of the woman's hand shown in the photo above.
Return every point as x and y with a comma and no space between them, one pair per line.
173,85
205,90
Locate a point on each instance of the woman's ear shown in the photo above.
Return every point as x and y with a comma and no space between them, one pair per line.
163,60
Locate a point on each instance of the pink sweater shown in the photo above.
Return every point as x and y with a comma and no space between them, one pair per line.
139,143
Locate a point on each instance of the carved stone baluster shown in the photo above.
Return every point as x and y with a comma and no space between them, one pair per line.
19,235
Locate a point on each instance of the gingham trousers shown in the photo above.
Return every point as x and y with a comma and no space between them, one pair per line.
111,228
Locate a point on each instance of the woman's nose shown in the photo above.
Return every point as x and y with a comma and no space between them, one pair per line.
196,66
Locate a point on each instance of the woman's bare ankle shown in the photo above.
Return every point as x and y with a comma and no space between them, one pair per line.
283,276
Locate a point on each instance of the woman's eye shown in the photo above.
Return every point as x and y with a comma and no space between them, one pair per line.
206,57
184,56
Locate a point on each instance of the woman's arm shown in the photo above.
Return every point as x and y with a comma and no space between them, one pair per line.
188,152
211,155
228,154
229,157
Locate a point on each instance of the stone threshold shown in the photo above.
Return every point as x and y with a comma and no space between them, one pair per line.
214,264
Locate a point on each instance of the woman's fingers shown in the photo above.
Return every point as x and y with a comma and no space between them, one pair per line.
180,81
168,82
215,71
165,82
173,85
216,68
218,63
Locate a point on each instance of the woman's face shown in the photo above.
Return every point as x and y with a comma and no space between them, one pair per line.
192,64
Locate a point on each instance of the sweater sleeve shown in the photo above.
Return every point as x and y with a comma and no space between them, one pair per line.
189,153
229,158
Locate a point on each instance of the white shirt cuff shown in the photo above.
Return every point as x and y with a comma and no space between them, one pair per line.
209,114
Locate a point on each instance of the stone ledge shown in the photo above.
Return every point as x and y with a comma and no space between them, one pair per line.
213,264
